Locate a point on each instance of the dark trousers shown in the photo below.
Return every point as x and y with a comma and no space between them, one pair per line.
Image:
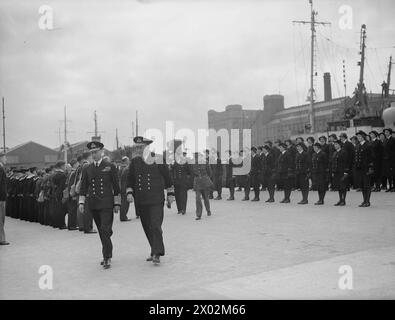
321,183
218,185
87,218
181,195
151,217
199,195
58,214
124,207
72,207
103,220
40,206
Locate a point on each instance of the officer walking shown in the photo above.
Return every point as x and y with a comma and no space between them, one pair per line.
180,171
100,188
146,182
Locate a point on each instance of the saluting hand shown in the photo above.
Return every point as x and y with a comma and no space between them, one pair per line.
81,208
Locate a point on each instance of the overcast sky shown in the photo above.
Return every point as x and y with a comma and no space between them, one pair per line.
172,60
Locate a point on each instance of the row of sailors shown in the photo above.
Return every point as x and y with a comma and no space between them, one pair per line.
367,162
45,196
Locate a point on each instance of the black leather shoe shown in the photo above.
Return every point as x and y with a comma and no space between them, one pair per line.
282,201
362,205
107,263
230,198
287,201
338,203
303,202
4,243
90,231
218,198
73,229
149,258
255,199
102,262
319,203
156,260
62,227
245,199
209,213
123,220
343,203
269,200
197,218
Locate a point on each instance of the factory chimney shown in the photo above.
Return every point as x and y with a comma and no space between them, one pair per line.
327,87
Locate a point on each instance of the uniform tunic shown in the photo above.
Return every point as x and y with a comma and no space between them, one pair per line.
363,164
319,170
302,170
341,170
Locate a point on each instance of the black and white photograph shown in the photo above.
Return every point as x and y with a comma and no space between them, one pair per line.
197,150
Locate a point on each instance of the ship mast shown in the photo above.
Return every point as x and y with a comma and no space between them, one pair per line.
361,86
312,23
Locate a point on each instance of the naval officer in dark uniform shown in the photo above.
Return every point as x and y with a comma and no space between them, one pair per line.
146,182
101,189
180,171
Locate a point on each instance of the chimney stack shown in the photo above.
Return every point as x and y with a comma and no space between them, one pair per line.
327,87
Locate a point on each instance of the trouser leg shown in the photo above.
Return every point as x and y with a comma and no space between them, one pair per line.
87,218
206,200
2,220
199,207
156,220
72,212
104,219
184,194
178,196
145,219
124,208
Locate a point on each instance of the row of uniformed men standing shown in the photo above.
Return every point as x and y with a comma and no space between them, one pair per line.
287,166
